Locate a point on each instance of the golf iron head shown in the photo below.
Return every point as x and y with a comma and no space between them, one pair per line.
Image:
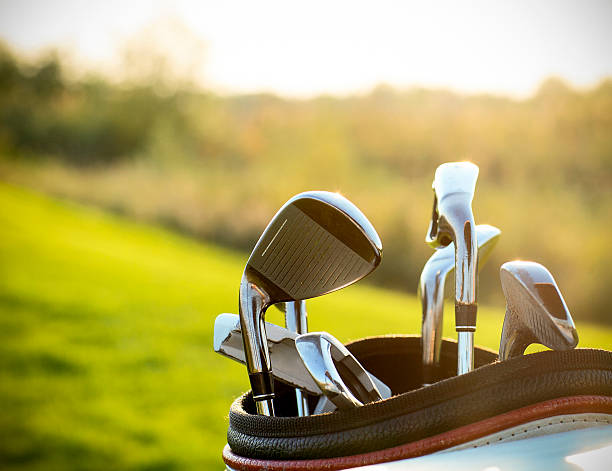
318,242
339,375
453,221
535,310
288,366
440,267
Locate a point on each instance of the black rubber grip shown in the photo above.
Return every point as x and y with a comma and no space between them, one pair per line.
262,385
465,317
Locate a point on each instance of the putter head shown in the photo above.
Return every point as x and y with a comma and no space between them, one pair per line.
431,291
318,242
288,366
336,371
535,310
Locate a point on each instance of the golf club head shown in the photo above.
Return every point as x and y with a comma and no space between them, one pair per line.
454,185
281,345
318,242
431,292
288,366
453,221
336,371
535,310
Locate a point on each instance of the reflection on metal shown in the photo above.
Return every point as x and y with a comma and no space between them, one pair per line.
288,366
336,371
318,242
436,271
296,320
535,310
452,221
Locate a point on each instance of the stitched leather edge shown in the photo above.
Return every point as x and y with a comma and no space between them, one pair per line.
537,428
551,408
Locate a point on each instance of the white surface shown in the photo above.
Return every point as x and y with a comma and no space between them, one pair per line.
587,449
537,428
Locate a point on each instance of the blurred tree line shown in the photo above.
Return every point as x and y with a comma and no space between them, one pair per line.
218,167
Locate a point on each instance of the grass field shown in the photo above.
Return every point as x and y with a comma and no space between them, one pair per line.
106,357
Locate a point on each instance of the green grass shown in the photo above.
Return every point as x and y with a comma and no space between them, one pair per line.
106,357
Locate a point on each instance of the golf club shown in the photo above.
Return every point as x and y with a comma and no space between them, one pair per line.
336,371
452,221
296,320
318,242
437,270
288,366
535,310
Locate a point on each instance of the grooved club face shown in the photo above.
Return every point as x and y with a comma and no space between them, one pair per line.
318,242
535,310
336,371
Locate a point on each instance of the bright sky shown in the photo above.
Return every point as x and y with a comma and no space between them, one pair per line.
341,47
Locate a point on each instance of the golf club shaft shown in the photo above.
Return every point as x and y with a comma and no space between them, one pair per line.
465,352
253,303
296,320
265,407
453,221
466,264
439,268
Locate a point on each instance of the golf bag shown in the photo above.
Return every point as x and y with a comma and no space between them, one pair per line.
525,396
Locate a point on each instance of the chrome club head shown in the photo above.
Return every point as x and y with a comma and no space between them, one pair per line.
288,366
296,320
318,242
437,270
535,310
336,371
452,221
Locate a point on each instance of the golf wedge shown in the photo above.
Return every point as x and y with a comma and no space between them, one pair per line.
318,242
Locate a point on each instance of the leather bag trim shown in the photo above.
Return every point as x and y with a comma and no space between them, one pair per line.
550,408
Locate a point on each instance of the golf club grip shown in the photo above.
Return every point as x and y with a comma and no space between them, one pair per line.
465,317
262,385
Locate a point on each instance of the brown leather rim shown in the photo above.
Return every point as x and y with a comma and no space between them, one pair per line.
551,408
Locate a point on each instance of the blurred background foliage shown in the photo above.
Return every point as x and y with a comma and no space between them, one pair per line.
106,323
159,149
